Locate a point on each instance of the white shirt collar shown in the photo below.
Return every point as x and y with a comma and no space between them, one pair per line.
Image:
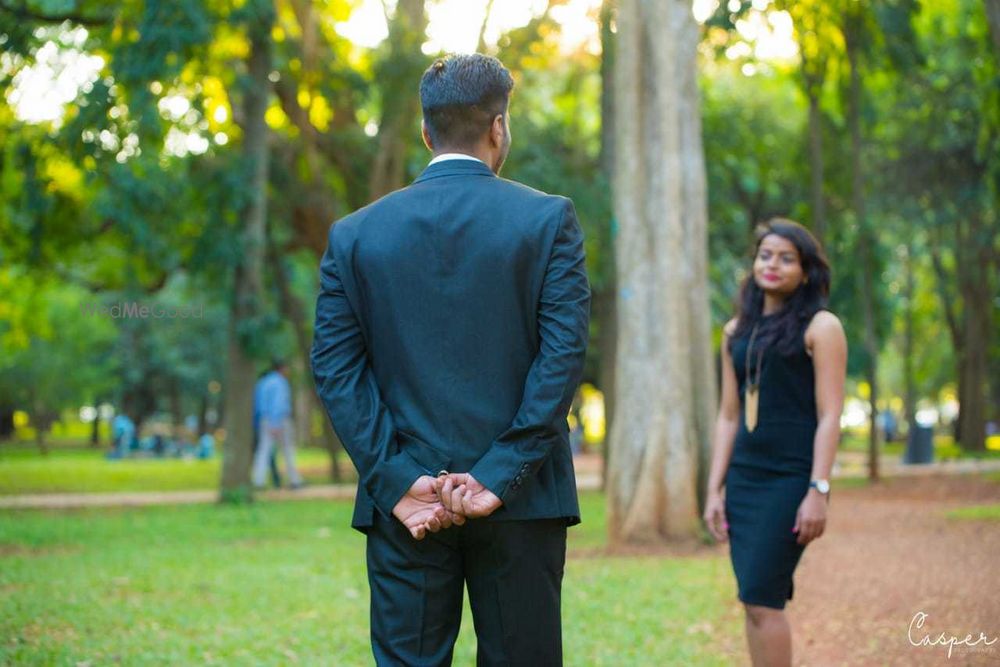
453,156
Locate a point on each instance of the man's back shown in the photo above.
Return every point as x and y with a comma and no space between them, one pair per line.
445,279
451,328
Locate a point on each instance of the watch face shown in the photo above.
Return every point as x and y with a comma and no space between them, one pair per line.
823,486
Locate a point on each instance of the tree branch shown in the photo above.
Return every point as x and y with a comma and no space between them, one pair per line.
481,43
947,300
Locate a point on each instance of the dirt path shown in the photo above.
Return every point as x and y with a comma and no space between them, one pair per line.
891,553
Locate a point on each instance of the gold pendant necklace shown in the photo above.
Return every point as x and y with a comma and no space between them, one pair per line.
752,397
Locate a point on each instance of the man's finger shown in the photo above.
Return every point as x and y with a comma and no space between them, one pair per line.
456,499
468,508
457,519
445,493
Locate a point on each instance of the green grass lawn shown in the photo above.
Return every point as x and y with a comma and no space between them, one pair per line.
977,513
83,470
945,448
283,582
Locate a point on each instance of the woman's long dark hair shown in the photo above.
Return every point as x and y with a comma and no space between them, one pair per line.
785,329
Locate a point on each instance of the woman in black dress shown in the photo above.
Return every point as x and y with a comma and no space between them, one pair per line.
784,360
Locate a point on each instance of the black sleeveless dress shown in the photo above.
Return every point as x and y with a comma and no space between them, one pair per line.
769,473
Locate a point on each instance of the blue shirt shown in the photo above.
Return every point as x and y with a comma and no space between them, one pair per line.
122,427
275,396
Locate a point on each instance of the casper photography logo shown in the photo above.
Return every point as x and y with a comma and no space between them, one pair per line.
964,644
124,310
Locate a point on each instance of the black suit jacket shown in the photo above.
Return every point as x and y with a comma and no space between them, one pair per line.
450,333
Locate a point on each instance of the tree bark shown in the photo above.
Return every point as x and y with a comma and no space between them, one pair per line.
664,392
247,287
969,325
176,411
605,300
977,312
909,379
816,167
605,311
404,65
202,416
294,312
813,68
481,42
852,36
993,18
6,422
95,429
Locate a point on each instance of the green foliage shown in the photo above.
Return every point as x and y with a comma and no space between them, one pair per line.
754,155
43,341
139,192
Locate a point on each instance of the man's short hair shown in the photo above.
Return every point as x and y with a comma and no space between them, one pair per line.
461,95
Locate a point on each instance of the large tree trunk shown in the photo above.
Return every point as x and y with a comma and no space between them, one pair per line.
852,38
176,411
969,317
813,69
95,427
402,67
202,416
294,312
6,422
605,312
974,283
41,420
993,17
240,375
605,299
664,393
909,379
816,166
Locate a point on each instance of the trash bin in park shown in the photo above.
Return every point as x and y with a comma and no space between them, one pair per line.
919,445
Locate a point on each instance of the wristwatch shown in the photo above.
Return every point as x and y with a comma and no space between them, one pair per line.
821,485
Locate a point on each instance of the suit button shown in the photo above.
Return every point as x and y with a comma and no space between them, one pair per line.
518,480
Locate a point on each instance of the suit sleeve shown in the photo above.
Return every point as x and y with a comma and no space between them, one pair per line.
346,385
563,319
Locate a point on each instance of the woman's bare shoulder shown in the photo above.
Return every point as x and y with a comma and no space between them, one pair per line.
824,322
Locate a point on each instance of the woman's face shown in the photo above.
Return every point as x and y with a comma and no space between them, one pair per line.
777,268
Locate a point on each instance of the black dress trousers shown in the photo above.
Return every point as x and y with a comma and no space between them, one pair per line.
513,570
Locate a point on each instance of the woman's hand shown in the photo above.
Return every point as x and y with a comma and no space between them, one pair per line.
810,520
715,516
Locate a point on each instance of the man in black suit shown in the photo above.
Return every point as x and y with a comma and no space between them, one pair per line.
450,333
